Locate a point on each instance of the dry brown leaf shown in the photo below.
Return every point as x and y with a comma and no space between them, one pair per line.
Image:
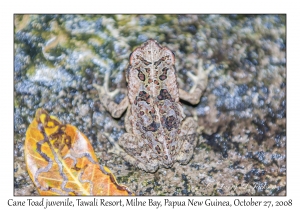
61,161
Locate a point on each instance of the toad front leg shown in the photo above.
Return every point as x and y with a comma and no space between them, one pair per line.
106,99
200,83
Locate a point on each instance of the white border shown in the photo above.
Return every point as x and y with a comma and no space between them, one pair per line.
8,8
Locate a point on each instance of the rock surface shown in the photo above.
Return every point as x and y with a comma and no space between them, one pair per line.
242,115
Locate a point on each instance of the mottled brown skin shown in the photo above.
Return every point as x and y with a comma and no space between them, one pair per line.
158,134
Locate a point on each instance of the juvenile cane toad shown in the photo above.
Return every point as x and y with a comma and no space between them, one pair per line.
158,133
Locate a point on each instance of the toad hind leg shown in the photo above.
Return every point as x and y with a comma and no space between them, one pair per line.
188,137
135,152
